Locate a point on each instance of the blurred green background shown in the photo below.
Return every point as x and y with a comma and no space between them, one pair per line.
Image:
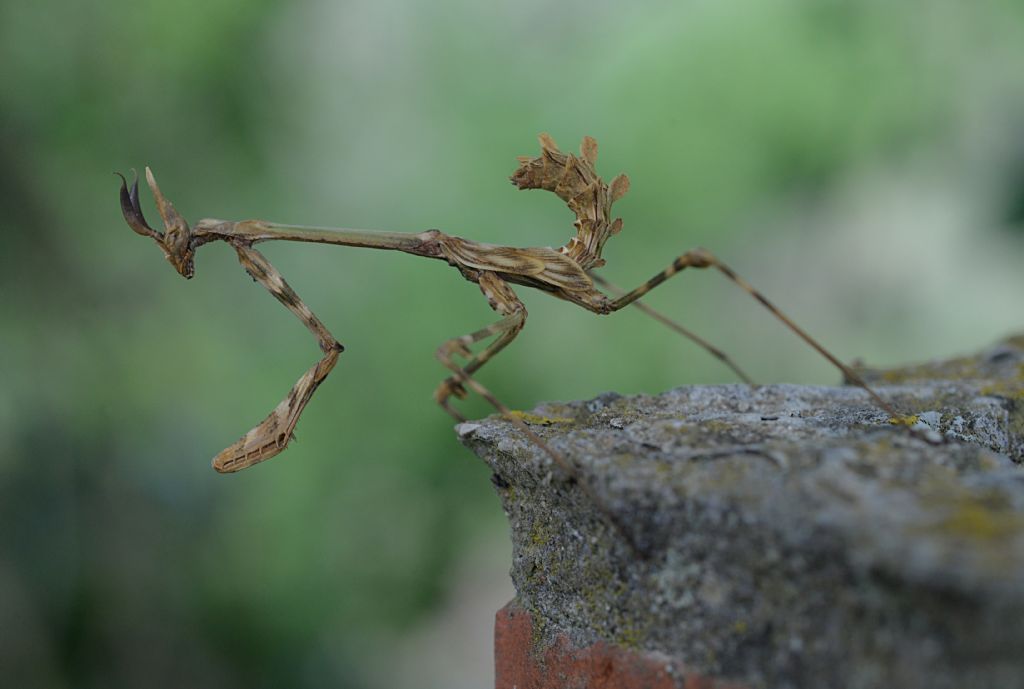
861,162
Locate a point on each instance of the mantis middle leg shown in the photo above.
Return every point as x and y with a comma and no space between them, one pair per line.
504,301
508,327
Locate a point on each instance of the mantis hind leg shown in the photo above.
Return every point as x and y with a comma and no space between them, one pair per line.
675,326
702,258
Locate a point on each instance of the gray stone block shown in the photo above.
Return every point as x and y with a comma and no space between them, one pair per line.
783,536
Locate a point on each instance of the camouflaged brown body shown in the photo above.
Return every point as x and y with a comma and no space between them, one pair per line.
539,267
560,272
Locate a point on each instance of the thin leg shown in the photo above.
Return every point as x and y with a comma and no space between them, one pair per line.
508,327
462,377
466,379
702,258
504,301
567,468
274,433
690,335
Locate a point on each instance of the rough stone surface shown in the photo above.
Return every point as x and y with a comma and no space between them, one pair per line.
782,536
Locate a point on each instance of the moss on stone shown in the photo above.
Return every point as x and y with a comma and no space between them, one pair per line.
538,420
976,520
794,535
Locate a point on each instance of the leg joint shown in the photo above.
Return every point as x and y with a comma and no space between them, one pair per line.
695,258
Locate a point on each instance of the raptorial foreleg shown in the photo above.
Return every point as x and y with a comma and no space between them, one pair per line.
273,434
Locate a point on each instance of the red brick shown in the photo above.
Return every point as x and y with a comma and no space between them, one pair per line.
518,665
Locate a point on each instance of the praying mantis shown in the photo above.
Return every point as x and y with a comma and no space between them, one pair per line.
565,273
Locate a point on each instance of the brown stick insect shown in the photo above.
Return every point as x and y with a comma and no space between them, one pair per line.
565,273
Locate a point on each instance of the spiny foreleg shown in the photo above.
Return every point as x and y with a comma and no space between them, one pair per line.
274,433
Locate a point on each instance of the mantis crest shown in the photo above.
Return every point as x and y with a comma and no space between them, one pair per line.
565,273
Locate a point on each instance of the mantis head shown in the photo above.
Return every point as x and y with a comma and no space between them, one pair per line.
176,241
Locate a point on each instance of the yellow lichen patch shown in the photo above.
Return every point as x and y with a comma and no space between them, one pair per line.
895,376
1008,389
960,368
1016,424
1016,341
904,420
537,628
539,535
538,420
629,637
974,520
715,426
624,460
